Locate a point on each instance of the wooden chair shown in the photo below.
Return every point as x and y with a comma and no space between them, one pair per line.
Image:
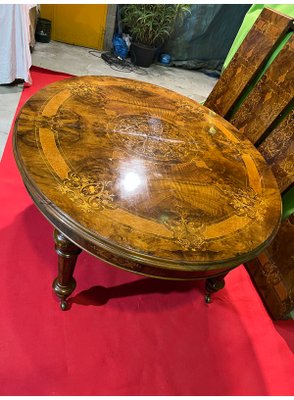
259,102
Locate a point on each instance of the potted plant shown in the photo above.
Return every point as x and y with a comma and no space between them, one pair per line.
149,26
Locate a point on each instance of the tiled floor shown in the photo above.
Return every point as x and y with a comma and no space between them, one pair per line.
79,61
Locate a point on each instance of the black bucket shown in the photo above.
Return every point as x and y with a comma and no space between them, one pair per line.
142,55
43,30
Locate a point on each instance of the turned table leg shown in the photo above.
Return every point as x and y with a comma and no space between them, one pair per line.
68,253
213,285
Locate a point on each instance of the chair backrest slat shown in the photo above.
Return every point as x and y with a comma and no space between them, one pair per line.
269,97
263,112
262,108
260,42
278,150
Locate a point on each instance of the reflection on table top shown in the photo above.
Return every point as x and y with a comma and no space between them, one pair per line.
146,173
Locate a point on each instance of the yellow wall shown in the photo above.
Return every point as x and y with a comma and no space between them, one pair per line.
79,24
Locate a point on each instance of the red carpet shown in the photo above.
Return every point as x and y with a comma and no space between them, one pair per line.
124,334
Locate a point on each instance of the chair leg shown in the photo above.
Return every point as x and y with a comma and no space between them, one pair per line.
213,285
68,253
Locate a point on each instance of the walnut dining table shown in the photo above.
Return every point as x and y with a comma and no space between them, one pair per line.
145,179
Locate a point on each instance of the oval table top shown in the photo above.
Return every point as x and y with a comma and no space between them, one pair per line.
145,173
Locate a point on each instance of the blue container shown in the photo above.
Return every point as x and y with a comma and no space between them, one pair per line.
165,59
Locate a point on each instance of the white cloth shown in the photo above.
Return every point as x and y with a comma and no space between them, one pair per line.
15,55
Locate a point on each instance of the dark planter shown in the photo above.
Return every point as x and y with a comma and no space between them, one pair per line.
43,30
142,55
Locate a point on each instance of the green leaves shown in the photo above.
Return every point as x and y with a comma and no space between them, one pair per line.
151,24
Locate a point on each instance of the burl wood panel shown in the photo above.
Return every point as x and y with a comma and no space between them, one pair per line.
145,178
278,151
261,40
273,272
270,96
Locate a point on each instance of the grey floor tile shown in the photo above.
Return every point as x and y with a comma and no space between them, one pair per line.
3,141
9,98
81,61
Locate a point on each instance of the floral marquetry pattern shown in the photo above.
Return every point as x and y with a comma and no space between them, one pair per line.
229,149
244,201
271,273
88,94
67,125
150,137
86,193
187,111
278,150
188,234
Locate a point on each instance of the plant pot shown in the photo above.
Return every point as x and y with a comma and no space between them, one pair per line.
142,55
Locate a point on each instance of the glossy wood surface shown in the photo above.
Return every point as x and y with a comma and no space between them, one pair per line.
260,42
145,178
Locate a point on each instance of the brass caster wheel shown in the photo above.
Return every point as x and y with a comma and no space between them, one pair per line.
63,305
207,299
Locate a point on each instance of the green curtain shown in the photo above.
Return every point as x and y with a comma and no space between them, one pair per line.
202,40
